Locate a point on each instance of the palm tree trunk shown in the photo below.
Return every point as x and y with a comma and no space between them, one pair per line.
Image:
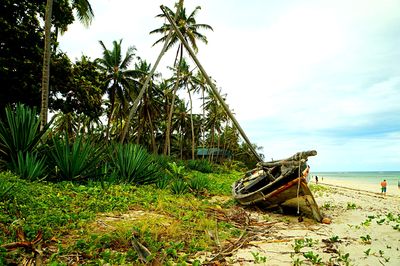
153,139
202,124
211,154
167,145
46,65
191,122
139,131
218,145
181,143
112,99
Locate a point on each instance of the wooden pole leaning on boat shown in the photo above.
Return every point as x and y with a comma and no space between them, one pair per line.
291,161
210,83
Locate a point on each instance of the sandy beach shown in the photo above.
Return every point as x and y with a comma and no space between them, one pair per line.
391,189
364,230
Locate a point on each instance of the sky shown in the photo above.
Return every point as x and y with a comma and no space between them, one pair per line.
299,74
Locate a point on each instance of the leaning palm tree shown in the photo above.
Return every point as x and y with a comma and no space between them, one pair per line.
118,79
190,30
85,15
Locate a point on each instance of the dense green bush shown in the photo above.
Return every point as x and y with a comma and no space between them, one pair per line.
5,185
75,161
199,184
179,187
133,164
162,160
29,166
19,132
203,166
163,182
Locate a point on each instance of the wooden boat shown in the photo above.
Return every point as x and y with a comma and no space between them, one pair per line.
273,184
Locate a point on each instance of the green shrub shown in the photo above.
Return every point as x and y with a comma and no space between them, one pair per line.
179,187
19,132
162,160
133,164
163,182
77,160
175,170
29,166
203,166
199,184
5,187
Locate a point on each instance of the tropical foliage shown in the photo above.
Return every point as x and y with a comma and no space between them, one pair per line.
133,164
77,160
19,132
29,166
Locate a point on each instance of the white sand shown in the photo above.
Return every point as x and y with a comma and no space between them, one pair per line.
349,207
391,189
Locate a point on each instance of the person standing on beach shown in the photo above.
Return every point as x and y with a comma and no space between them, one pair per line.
383,187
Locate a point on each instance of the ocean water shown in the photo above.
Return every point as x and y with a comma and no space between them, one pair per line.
392,177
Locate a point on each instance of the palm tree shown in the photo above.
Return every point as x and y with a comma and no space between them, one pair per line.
201,85
181,123
85,15
186,80
46,65
189,28
118,79
151,104
216,115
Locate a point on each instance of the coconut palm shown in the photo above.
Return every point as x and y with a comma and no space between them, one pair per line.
181,123
201,86
85,15
216,115
186,80
151,104
189,29
118,79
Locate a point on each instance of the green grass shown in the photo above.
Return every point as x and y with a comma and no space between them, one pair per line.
95,223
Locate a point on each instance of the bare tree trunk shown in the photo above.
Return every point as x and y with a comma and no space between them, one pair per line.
202,124
46,65
139,132
153,139
112,99
167,145
191,121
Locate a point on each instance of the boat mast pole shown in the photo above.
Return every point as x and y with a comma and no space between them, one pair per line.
211,84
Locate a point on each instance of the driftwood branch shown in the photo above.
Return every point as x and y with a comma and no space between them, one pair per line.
291,161
30,246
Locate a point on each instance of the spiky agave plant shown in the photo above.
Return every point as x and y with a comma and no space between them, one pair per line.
133,164
77,159
29,166
20,132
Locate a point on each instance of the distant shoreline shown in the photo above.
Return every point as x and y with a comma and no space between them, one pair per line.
392,188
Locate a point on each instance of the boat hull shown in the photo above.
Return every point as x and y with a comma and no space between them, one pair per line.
295,192
276,183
